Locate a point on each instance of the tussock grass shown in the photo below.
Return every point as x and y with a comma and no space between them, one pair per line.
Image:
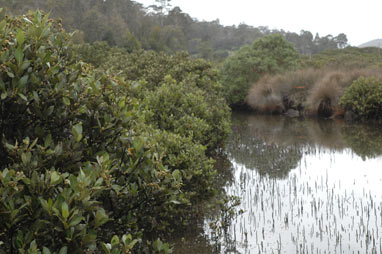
282,91
325,94
315,91
323,99
267,95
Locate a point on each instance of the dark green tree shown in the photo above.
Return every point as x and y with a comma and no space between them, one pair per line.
342,40
270,54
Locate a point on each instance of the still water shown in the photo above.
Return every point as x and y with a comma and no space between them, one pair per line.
306,186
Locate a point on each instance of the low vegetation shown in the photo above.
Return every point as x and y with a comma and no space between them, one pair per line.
347,58
317,90
278,93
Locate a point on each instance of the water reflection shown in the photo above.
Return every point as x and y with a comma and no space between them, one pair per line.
306,186
253,145
286,131
199,237
365,141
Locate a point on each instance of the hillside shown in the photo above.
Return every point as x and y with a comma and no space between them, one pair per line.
374,43
127,24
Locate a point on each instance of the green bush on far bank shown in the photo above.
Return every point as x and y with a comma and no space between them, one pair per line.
268,55
364,98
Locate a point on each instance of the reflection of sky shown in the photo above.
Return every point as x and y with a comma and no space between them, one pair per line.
346,168
331,202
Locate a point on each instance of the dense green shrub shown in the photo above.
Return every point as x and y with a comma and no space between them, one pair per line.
154,67
182,94
187,110
268,55
94,54
181,154
78,163
53,172
364,98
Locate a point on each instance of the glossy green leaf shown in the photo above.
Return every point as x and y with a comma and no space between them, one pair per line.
36,97
45,250
158,245
65,210
63,250
77,132
49,110
115,241
25,65
75,221
20,38
54,178
19,55
23,81
10,74
26,157
106,248
22,96
132,244
66,101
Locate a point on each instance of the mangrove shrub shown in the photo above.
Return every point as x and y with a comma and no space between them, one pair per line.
180,94
81,170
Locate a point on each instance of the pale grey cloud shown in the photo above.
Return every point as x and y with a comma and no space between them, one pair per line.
359,20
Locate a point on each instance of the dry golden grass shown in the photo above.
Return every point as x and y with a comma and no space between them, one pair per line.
317,91
267,95
324,97
326,92
277,93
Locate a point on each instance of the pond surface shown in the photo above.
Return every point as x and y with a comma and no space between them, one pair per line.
306,186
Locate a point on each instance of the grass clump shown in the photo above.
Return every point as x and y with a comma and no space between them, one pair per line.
310,91
282,91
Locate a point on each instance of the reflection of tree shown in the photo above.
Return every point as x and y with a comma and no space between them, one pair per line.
267,159
273,145
225,173
194,239
364,140
285,131
247,146
218,209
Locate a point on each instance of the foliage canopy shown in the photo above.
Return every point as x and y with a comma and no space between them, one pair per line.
82,168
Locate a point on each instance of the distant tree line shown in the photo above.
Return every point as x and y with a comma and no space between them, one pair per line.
129,24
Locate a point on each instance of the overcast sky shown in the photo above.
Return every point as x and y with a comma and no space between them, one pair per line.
361,21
